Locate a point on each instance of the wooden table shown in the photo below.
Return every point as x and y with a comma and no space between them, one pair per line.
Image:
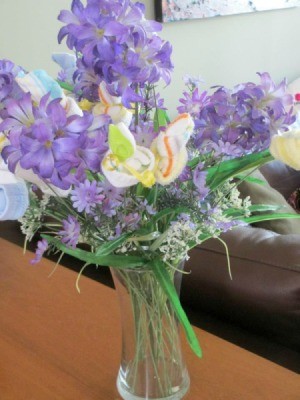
60,345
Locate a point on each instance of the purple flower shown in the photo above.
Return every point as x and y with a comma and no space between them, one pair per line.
192,81
131,221
86,196
185,175
8,72
113,193
71,231
113,198
230,123
144,133
44,139
226,149
116,44
93,144
193,102
199,179
42,246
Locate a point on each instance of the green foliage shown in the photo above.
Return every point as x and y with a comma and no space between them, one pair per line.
225,170
160,119
268,217
116,261
161,273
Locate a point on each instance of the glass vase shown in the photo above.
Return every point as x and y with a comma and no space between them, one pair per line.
152,364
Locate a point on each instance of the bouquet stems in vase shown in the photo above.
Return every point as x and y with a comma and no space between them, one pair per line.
152,364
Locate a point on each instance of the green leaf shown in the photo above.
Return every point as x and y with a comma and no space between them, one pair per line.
194,162
66,86
119,144
115,261
168,212
140,190
112,245
163,278
237,212
145,238
234,212
225,170
160,119
251,179
263,207
269,217
152,195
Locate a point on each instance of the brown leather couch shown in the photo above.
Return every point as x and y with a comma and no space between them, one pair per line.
264,294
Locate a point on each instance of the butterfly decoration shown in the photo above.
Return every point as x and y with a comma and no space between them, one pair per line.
169,149
112,106
126,164
38,83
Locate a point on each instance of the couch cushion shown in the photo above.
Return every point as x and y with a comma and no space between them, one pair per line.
281,177
264,294
265,194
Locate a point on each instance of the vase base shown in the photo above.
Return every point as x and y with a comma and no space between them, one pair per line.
178,394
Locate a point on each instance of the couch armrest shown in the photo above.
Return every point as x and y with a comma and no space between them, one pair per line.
264,295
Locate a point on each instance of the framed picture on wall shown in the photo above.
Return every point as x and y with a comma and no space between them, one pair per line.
176,10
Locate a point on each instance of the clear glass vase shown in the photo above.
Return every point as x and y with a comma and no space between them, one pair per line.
152,365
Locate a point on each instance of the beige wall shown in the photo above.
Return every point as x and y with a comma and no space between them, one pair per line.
224,50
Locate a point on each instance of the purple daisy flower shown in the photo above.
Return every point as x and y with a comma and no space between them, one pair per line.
42,246
70,232
192,102
86,196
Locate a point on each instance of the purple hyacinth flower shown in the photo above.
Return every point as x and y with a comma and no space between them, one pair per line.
43,138
70,232
116,44
42,246
241,120
8,86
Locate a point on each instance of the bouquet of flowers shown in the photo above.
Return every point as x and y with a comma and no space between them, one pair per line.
92,162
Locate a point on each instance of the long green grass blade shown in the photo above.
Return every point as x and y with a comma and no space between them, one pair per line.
115,261
225,170
264,207
168,212
269,217
163,278
109,247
